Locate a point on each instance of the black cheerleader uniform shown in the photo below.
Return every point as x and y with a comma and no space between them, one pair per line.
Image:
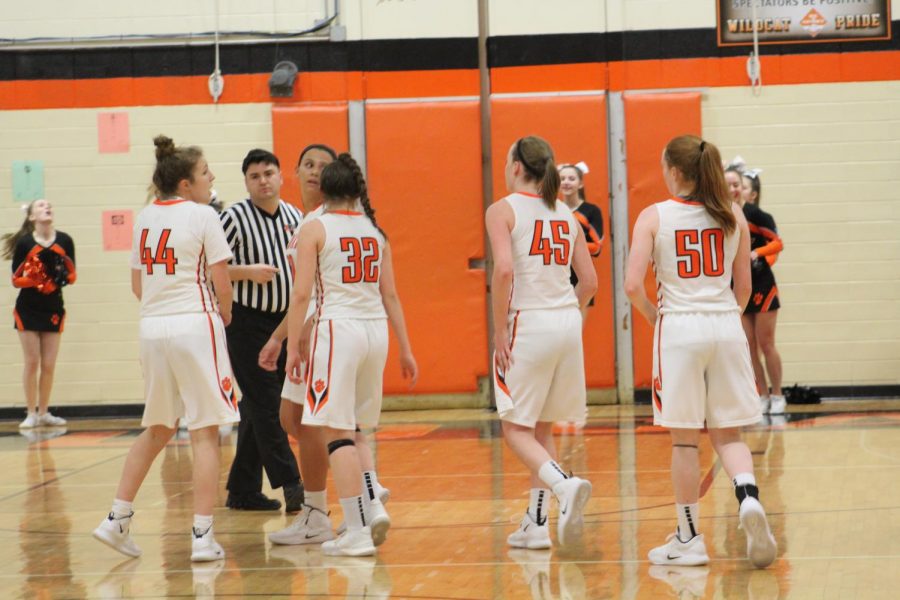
590,217
765,241
40,272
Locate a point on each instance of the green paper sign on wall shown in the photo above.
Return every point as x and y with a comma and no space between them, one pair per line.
27,180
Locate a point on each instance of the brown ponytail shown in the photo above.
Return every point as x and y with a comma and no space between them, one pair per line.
700,163
343,179
536,157
11,239
172,165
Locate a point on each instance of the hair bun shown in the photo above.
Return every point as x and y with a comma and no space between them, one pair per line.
165,146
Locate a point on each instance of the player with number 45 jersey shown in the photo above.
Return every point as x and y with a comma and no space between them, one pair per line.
538,354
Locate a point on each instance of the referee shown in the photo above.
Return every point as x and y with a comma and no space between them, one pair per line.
258,231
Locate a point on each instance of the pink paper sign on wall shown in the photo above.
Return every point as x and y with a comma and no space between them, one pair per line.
112,132
117,226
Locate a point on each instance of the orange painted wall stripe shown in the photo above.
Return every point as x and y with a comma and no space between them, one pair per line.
355,85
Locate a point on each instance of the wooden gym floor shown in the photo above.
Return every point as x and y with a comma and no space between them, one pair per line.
829,477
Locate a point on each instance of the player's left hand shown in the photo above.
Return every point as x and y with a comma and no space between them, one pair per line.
409,368
294,368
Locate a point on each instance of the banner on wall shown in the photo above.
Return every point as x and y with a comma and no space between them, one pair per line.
803,21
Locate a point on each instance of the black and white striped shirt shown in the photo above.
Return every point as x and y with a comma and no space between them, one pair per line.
255,236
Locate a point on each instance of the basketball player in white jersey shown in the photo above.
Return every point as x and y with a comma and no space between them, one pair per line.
312,525
698,242
345,253
179,248
538,355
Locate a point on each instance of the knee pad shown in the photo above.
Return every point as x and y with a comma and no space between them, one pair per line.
335,445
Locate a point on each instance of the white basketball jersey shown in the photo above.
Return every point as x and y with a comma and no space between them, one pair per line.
174,241
349,270
542,244
692,259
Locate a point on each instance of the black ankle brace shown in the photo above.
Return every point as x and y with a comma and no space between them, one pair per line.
742,491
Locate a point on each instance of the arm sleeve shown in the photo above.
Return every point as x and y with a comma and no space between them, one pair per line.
214,241
592,224
769,231
68,245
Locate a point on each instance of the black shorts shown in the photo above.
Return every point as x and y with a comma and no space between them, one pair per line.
764,297
32,320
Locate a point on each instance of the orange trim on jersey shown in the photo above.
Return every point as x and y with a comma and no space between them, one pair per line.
19,325
530,195
657,381
228,397
199,285
769,299
512,342
324,399
688,202
310,367
172,202
348,213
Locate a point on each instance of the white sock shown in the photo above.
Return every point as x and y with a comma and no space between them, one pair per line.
371,487
202,524
317,500
122,509
537,505
688,521
744,479
551,473
354,512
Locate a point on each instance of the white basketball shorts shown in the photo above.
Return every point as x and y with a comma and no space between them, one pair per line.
345,373
546,379
187,374
295,392
702,372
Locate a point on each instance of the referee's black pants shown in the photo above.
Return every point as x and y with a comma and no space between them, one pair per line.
261,442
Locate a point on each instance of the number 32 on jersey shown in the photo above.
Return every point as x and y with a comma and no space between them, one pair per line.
362,260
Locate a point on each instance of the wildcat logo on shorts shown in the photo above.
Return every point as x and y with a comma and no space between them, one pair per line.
757,298
226,384
319,386
55,319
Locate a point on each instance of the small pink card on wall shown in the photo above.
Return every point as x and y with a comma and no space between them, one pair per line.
112,132
117,226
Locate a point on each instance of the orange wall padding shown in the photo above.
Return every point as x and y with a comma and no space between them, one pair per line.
576,128
295,127
424,171
651,120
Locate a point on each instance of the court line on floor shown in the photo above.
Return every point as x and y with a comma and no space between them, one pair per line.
61,477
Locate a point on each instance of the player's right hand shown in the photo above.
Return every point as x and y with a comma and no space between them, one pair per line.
502,351
268,356
226,316
262,273
294,368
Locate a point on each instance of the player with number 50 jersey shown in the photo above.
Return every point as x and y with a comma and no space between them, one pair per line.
699,244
